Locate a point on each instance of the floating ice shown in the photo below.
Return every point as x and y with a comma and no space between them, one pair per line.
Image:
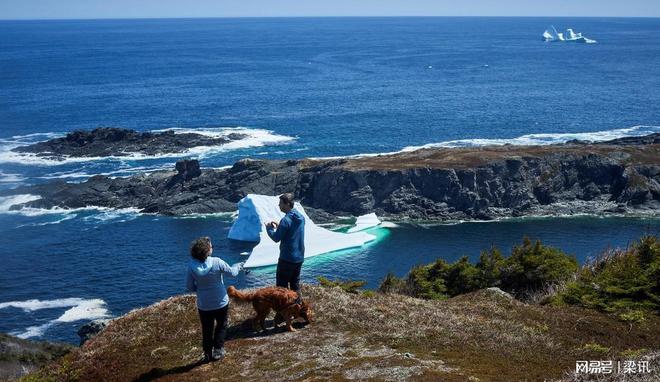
256,210
551,35
80,309
365,222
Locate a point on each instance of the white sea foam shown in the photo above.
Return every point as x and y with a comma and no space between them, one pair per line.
103,213
10,178
524,140
79,309
254,138
545,139
120,214
7,201
255,210
121,172
65,218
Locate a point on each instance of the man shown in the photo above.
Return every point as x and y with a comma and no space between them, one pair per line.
290,233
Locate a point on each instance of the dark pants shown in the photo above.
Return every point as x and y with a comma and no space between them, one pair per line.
288,276
213,338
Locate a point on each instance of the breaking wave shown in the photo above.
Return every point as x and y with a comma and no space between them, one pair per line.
523,140
254,138
79,309
545,139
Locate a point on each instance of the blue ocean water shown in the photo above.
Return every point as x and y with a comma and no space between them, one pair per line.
303,87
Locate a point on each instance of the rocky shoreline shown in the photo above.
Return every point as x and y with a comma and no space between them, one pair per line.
112,141
615,177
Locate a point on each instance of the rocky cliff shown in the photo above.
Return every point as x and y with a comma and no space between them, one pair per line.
620,176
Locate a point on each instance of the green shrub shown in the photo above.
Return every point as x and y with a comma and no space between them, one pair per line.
392,284
633,353
530,267
490,266
428,281
350,286
534,266
369,294
621,281
596,348
635,316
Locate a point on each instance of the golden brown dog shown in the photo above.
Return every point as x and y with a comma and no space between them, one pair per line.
281,300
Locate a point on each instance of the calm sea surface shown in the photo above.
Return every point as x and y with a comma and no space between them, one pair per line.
301,87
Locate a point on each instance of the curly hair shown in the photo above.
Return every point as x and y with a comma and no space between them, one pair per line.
200,248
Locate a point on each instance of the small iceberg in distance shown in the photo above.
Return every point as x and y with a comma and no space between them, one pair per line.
365,222
551,35
255,210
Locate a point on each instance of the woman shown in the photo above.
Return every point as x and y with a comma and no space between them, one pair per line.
204,277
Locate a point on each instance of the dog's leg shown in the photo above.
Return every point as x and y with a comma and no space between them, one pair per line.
256,316
289,321
266,310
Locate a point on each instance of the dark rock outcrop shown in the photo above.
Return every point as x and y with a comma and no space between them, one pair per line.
112,141
91,329
621,176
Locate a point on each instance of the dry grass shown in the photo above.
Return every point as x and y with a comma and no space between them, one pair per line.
461,158
478,336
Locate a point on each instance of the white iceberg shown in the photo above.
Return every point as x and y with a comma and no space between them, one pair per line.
551,35
256,210
365,222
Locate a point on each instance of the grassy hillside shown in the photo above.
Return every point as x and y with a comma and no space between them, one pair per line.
19,357
479,336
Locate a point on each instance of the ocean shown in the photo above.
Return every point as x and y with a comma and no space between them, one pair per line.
299,87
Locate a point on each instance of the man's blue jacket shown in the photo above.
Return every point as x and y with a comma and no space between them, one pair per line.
290,234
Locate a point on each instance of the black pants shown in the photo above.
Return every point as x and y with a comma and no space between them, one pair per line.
288,276
213,338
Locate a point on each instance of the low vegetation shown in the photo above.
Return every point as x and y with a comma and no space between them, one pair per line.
456,331
19,356
478,336
531,268
624,282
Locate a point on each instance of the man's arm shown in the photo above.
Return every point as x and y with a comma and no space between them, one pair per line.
190,282
277,234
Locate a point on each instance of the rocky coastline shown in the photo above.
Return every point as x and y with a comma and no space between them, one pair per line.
481,183
118,142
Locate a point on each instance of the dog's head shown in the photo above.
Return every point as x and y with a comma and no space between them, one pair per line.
305,311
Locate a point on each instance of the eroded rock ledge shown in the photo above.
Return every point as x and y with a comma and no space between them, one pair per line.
112,141
615,177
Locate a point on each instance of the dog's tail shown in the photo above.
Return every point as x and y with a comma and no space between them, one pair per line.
235,293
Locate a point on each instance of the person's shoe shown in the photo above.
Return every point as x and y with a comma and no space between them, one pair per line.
219,354
208,357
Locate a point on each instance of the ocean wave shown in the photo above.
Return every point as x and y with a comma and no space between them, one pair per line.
7,201
65,218
31,138
544,139
103,213
10,178
121,215
255,138
122,172
79,309
523,140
